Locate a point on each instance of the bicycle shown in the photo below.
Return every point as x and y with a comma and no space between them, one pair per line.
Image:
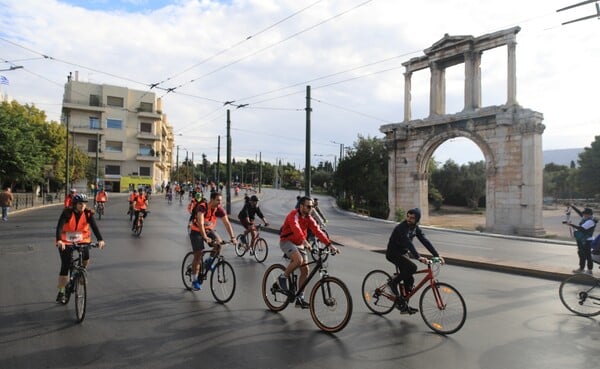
222,275
77,284
330,302
260,248
100,209
139,225
316,244
442,307
580,293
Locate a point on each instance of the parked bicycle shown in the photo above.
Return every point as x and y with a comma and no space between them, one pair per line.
330,302
442,307
100,209
260,248
580,293
77,285
222,275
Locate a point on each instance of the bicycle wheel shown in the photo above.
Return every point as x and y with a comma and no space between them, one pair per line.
443,308
100,211
316,246
376,293
80,291
261,250
138,227
275,299
222,281
186,270
580,293
241,247
330,304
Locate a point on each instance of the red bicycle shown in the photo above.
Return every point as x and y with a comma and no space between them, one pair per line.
442,307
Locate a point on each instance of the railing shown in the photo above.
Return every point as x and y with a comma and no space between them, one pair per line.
29,200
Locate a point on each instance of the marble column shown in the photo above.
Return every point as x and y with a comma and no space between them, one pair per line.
512,73
407,96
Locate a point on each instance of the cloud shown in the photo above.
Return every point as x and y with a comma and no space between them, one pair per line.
202,49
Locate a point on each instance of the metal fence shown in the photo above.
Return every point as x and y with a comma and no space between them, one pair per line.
29,200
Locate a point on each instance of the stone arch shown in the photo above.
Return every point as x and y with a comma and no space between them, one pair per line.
508,135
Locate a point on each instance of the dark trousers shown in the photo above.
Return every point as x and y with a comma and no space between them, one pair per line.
406,267
584,251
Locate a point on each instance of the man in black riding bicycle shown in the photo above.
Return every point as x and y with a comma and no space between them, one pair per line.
247,216
74,225
400,247
293,243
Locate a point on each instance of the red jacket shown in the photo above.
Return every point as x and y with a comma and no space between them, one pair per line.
295,228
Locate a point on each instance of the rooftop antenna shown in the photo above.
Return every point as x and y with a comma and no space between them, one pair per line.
580,4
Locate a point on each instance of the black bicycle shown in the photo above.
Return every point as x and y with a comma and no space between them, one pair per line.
580,293
222,275
330,301
139,224
77,285
100,209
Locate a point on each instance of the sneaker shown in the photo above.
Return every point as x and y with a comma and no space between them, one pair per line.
282,280
301,303
408,310
589,271
196,285
578,270
60,298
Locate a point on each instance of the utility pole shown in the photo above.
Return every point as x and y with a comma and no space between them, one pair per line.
228,175
307,173
259,171
177,165
218,159
67,186
97,163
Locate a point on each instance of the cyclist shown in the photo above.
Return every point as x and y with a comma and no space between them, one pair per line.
398,249
318,214
131,200
69,198
74,225
246,217
202,230
101,196
140,205
293,243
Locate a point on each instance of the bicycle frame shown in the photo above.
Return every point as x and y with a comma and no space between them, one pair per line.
428,278
319,268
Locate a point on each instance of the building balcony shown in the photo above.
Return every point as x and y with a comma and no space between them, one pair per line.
154,115
85,130
147,136
84,105
152,158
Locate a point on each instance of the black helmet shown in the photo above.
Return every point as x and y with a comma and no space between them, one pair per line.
253,198
80,197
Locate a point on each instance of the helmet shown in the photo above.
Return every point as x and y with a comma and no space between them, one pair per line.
80,197
588,211
198,196
73,190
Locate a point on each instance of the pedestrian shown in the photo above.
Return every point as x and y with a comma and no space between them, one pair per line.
584,235
6,199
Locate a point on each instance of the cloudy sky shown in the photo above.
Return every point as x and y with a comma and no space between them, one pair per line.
264,53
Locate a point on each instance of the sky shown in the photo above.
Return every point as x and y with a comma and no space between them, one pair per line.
262,54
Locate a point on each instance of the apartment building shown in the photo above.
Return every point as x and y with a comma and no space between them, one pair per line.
125,131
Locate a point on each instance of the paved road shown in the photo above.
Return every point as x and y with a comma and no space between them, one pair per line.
140,316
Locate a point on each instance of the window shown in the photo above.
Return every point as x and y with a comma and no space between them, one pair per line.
114,101
92,145
94,123
146,127
114,123
146,150
114,146
145,171
94,100
147,107
112,169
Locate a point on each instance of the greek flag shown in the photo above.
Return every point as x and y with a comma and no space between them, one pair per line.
3,80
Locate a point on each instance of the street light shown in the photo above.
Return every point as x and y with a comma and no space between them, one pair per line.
341,149
12,67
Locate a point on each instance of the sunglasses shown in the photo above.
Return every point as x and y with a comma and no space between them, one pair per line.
309,206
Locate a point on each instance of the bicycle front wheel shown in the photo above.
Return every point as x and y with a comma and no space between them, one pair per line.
241,247
186,270
580,293
80,291
274,297
376,293
261,250
443,308
330,304
138,228
222,282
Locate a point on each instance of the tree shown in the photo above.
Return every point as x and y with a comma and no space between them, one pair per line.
589,168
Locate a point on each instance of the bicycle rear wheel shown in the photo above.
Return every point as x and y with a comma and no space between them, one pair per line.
273,296
580,293
443,308
186,270
330,304
222,282
80,291
376,293
241,247
261,250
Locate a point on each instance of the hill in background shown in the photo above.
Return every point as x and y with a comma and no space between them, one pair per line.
561,156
